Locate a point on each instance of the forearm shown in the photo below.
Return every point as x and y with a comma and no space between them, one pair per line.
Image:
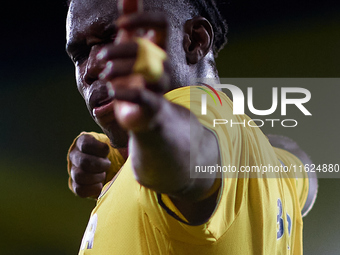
163,155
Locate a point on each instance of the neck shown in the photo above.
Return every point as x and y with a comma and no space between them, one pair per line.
124,152
205,71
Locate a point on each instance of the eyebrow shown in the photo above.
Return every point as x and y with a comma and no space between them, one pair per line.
77,40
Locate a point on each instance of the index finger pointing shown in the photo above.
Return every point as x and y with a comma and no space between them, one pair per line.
130,6
137,20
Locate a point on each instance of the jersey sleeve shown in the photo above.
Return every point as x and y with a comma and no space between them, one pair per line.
298,174
114,156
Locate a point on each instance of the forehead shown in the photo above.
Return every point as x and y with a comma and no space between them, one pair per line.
84,13
89,10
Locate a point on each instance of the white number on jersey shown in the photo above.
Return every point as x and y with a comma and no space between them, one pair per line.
87,242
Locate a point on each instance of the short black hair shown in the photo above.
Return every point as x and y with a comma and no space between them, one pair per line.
209,10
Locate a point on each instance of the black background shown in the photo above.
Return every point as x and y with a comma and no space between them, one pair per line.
41,112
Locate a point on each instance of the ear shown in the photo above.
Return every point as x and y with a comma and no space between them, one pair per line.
198,39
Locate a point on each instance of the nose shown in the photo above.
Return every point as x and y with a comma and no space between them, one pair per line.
93,66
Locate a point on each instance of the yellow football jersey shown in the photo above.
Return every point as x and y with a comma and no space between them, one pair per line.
258,215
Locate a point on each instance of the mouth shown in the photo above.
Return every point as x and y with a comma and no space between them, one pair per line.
103,108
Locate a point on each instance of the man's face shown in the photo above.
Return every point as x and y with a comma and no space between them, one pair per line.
90,26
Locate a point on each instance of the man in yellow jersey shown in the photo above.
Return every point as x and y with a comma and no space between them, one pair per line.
150,203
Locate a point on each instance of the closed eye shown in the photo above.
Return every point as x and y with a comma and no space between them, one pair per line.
77,51
81,55
79,47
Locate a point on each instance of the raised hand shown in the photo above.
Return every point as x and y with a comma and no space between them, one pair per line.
136,70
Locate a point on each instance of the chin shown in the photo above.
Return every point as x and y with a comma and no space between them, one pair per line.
119,137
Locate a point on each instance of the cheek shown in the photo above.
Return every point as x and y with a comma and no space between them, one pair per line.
81,85
177,59
80,81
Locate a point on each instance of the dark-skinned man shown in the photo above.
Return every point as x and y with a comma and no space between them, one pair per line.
150,203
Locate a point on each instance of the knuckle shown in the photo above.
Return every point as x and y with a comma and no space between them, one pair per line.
75,154
88,145
72,154
85,143
91,164
73,173
79,177
81,191
81,139
100,178
88,191
105,149
85,162
106,165
83,178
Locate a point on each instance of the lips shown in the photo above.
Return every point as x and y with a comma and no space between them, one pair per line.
101,104
104,108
